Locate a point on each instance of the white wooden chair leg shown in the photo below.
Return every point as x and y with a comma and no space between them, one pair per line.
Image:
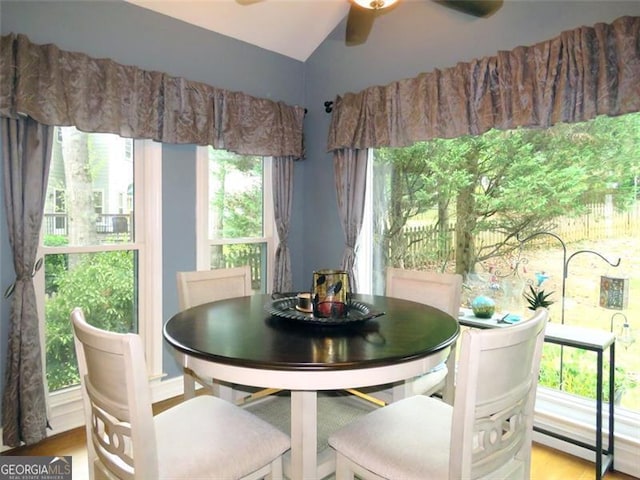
223,391
449,390
189,384
276,470
343,472
401,390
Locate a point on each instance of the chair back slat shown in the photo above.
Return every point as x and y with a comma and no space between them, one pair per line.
439,290
112,443
198,287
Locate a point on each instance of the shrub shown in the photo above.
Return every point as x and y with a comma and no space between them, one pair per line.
56,265
102,284
579,374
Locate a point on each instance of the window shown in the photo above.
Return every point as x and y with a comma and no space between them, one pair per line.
98,201
459,205
96,263
235,218
56,218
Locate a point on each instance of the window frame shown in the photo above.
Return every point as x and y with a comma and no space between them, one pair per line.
203,242
65,406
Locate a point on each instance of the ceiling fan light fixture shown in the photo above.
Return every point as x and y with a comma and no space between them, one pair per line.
375,4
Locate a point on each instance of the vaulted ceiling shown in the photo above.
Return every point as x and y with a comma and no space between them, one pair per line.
293,28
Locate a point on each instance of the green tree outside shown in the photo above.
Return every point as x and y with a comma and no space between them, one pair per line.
514,182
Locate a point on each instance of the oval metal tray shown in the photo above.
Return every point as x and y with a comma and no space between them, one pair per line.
286,308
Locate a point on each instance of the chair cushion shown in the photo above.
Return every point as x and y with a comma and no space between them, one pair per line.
206,437
408,439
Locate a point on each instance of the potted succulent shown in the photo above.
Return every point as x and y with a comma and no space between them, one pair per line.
537,298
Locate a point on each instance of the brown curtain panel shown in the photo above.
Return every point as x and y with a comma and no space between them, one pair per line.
26,149
282,204
574,77
350,171
61,88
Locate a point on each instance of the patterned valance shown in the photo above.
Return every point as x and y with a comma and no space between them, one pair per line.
55,87
574,77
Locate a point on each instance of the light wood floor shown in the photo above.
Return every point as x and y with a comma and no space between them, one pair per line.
547,463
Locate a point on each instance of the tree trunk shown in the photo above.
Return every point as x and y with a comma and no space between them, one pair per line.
466,219
465,223
397,219
79,188
443,227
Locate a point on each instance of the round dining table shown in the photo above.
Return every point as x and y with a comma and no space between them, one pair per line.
257,341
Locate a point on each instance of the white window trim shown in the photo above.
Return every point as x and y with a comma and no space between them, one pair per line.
65,406
364,249
202,215
150,282
202,208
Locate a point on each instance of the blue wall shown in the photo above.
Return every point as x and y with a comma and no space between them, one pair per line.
178,228
415,37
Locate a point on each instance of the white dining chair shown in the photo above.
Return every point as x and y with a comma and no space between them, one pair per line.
442,291
203,438
486,434
204,286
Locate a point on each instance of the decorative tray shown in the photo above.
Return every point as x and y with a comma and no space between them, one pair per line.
286,308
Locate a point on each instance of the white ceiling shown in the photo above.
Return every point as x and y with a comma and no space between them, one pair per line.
293,28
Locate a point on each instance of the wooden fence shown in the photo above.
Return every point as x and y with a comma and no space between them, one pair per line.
425,243
238,255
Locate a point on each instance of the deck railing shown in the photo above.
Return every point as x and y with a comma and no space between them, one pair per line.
106,223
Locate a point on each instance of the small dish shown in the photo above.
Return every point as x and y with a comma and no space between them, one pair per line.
304,310
511,318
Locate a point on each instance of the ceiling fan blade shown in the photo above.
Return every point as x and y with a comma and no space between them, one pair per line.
359,23
477,8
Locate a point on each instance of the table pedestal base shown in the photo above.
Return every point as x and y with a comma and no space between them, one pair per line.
315,458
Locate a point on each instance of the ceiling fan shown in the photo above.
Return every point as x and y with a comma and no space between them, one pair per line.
363,12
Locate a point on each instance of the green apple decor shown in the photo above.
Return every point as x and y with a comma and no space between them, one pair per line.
483,307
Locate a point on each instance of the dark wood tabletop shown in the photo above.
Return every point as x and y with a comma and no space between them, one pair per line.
241,332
